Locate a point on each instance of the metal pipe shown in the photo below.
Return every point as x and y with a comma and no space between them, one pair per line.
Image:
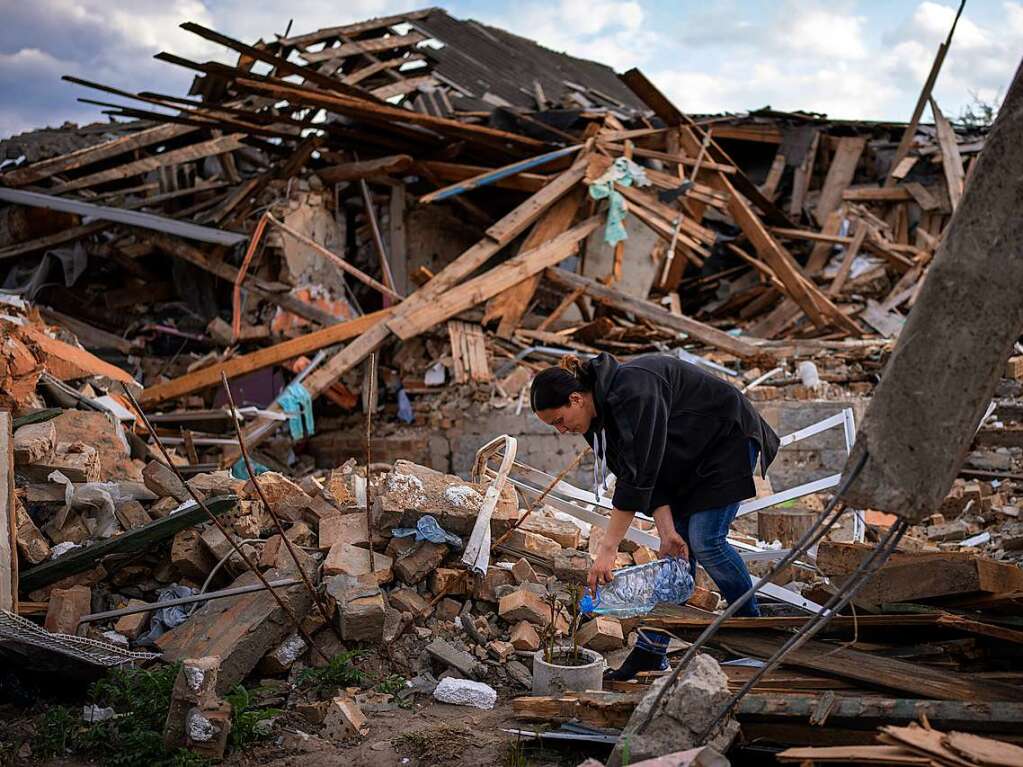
236,591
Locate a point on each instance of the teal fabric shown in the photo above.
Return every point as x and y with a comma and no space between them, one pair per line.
626,173
297,403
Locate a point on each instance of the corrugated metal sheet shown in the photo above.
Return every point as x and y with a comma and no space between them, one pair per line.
483,59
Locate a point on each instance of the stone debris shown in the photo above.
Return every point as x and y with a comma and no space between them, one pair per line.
465,692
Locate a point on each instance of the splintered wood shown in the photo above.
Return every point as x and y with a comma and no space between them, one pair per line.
469,352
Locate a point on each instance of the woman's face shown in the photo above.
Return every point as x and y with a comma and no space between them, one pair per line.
573,417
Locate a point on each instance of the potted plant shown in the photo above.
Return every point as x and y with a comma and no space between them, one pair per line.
560,667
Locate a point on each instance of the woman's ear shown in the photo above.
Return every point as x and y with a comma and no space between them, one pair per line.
575,398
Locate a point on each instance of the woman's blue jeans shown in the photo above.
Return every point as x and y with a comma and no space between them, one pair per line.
706,534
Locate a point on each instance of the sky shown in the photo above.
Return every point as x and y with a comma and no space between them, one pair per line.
855,59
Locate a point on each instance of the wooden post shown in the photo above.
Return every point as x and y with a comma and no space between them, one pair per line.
8,525
785,525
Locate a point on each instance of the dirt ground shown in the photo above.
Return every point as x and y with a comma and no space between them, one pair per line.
432,734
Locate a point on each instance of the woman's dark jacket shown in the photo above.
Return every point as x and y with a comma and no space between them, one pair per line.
675,434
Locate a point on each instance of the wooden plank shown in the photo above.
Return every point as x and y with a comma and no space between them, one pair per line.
139,539
852,754
8,521
281,65
805,294
492,175
501,277
453,171
770,185
271,355
358,28
397,251
802,177
510,305
872,670
339,104
877,194
173,157
465,264
851,251
516,222
925,94
353,171
377,67
951,160
646,310
373,45
404,86
597,709
80,157
840,174
821,252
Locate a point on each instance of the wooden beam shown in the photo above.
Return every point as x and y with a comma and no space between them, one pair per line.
877,194
453,171
373,45
840,175
821,252
257,360
951,160
468,262
850,255
171,157
358,28
139,539
377,67
8,517
803,176
646,310
783,264
385,113
597,709
510,305
404,86
354,171
502,277
872,670
39,171
281,65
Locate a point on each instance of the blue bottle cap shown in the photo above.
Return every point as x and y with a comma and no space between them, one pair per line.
586,604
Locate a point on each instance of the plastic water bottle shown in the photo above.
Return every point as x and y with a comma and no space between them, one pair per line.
636,590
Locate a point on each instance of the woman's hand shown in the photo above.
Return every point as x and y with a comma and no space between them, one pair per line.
600,571
672,544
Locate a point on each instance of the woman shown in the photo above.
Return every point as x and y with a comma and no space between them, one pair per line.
683,446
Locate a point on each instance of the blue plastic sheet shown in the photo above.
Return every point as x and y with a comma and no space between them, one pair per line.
428,529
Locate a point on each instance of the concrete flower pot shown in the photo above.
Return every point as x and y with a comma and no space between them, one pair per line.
553,679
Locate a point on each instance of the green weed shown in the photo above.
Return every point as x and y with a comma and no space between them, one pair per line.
246,727
338,673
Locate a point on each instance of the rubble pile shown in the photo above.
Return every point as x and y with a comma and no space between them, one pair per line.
460,207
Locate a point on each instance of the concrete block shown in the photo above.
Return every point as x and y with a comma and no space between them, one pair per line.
465,692
34,442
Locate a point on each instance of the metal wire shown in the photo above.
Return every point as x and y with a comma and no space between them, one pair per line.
856,580
818,530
